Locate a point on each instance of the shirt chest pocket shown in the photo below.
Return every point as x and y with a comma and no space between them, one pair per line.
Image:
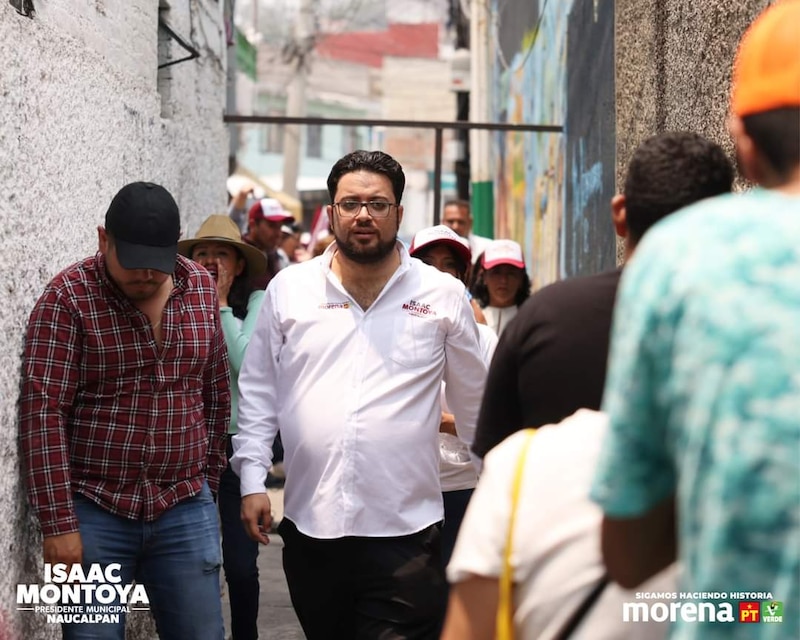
414,341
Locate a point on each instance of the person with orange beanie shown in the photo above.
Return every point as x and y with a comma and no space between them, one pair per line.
703,386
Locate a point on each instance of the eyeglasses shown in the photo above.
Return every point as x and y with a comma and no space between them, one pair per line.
352,208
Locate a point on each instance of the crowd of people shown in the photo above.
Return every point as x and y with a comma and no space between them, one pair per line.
459,452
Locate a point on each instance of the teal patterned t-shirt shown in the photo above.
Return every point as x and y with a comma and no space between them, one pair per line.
703,394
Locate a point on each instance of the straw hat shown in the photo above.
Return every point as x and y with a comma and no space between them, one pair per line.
220,228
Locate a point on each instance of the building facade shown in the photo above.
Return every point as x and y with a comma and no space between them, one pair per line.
85,110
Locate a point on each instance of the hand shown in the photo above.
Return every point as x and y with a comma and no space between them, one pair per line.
256,516
224,283
66,548
480,317
448,424
240,199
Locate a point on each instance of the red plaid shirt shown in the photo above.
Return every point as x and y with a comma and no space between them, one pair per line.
105,413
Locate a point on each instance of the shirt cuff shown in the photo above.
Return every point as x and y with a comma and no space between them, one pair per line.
60,527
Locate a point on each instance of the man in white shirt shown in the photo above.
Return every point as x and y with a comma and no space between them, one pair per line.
457,216
347,360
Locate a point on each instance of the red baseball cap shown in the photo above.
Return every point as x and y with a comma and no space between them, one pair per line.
268,209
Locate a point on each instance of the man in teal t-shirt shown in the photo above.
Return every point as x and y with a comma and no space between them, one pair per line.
703,389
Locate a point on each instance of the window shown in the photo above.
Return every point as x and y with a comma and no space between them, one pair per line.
314,140
351,138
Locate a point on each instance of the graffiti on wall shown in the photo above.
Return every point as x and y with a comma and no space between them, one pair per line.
548,184
589,243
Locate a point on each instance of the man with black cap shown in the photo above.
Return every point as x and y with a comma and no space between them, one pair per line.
124,408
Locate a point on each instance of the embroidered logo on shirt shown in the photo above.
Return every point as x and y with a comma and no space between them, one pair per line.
419,309
334,305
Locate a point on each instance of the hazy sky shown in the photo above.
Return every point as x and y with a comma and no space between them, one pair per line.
276,16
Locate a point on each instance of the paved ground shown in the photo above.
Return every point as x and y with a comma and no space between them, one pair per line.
276,618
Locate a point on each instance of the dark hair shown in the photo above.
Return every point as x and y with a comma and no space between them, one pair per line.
776,134
475,273
241,288
670,171
461,267
480,291
372,161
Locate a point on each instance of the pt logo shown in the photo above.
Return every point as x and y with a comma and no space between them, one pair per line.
749,611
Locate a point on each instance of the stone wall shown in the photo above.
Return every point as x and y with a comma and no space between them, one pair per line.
673,68
84,110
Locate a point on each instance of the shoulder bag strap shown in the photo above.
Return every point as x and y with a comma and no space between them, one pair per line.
580,613
505,603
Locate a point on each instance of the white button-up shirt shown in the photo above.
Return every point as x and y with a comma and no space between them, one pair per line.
355,395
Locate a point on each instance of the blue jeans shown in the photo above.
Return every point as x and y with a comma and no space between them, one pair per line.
239,558
176,558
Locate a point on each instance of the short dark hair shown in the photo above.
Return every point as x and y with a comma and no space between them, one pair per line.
776,134
372,161
670,171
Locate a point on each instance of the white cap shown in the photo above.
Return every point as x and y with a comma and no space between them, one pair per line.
503,252
441,234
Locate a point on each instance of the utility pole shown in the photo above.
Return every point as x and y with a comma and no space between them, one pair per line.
297,54
480,147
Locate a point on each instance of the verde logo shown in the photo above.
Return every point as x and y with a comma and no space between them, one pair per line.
771,611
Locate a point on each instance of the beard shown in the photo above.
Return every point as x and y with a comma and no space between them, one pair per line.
362,254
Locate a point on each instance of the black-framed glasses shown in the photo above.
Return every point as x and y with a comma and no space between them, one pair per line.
375,208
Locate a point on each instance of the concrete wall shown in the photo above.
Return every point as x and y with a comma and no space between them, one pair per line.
673,67
81,115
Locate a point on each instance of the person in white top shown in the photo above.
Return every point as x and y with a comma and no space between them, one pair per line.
347,359
456,215
443,248
556,555
503,284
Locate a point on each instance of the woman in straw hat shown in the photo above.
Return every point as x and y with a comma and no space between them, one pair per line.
219,248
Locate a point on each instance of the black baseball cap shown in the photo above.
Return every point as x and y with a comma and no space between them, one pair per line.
145,222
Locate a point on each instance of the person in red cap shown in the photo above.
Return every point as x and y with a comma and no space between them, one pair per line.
124,408
703,386
444,249
503,284
264,221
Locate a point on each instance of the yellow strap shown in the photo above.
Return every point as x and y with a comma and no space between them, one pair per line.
505,603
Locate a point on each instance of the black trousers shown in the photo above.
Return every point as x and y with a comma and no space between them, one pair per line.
358,588
239,557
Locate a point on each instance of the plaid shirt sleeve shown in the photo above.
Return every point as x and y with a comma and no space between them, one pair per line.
49,381
217,405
